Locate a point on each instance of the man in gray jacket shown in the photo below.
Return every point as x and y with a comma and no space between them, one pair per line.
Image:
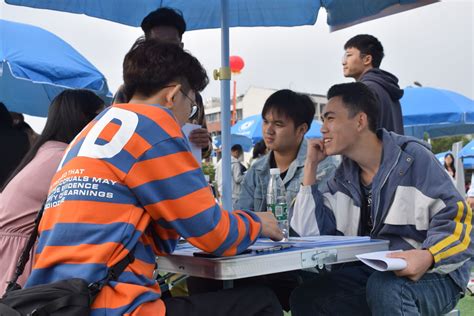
388,187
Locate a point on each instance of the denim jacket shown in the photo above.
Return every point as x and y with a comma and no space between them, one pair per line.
254,187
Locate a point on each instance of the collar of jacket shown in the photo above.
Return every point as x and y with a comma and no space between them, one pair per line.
393,150
263,165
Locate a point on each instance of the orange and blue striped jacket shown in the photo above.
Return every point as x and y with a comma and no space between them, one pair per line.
129,183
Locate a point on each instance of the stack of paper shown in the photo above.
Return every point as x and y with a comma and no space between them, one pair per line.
379,261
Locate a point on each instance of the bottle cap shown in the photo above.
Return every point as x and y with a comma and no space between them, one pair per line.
274,171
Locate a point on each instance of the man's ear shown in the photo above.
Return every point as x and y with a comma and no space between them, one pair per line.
367,60
302,129
363,121
170,95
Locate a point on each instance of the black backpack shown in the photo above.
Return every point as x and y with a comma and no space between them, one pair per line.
67,297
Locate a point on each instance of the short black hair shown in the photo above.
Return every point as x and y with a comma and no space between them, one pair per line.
357,98
296,106
367,45
150,65
164,17
237,147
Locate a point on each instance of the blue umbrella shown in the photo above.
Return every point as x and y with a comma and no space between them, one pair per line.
467,155
441,155
437,112
251,127
243,141
206,14
201,14
36,65
468,150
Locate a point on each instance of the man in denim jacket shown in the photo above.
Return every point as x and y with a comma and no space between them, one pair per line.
287,116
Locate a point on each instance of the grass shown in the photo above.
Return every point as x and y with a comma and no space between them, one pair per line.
466,306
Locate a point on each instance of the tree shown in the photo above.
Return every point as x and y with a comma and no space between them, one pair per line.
446,143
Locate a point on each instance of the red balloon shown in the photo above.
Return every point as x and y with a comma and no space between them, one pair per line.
236,64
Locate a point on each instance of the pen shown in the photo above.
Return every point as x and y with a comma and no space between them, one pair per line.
273,249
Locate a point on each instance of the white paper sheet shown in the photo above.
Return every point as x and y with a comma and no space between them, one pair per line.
379,261
187,128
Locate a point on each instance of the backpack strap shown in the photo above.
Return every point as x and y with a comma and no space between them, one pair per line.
25,254
112,275
94,287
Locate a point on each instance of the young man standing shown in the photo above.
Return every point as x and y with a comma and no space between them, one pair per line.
287,116
361,61
168,26
128,185
388,187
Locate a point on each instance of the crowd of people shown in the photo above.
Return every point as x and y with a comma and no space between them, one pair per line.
121,181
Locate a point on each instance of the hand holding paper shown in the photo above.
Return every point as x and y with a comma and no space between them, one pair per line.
412,264
418,262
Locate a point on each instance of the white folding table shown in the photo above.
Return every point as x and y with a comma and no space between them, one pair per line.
305,253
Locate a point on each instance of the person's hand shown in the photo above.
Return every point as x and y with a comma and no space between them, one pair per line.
270,227
199,137
314,155
418,262
315,152
470,202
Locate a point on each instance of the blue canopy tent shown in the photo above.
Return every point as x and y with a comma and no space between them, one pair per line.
467,158
36,65
437,112
467,155
207,14
241,140
251,127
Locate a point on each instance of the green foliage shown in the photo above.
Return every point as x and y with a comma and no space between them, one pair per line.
208,168
446,143
466,306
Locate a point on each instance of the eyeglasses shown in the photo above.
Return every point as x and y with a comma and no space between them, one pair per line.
194,106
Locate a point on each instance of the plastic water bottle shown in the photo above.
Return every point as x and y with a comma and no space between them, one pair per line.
276,201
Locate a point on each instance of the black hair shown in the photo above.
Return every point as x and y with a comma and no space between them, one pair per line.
296,106
6,120
68,114
452,166
367,45
259,149
356,98
150,65
237,147
164,17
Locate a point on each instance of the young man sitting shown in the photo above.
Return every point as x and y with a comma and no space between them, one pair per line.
287,116
388,187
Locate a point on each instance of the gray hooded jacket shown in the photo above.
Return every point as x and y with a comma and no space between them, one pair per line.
385,87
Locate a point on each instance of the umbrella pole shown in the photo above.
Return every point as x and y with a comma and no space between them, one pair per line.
224,77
